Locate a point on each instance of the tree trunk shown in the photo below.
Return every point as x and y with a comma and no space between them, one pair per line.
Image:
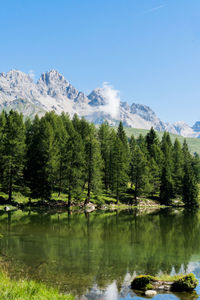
10,186
69,199
59,189
87,200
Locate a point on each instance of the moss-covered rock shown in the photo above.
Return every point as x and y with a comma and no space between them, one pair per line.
177,283
185,283
142,282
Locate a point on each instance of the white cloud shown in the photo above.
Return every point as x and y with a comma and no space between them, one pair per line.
112,100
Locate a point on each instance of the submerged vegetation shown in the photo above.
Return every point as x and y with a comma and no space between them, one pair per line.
57,155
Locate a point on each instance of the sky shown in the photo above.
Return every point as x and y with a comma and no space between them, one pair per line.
149,50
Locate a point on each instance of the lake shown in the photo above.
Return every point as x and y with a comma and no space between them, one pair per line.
94,256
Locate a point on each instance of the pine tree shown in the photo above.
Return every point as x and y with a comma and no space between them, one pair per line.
2,132
167,184
132,146
189,182
41,158
118,167
93,163
105,141
166,187
190,188
151,141
122,135
196,166
73,162
177,174
13,151
140,173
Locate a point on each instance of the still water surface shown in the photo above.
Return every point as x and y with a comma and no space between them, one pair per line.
94,256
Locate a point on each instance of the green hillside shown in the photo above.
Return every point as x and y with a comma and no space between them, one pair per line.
193,143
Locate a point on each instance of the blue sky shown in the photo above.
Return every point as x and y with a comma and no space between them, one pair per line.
149,50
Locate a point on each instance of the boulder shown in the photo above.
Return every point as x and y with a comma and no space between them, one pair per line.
150,293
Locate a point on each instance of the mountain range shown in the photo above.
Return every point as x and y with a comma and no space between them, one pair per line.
52,91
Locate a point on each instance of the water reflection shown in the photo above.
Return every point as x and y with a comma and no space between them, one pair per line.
95,255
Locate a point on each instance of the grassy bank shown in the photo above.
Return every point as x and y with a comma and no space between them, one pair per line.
27,290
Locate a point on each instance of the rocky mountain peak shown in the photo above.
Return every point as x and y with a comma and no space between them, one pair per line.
53,77
14,78
196,126
96,97
54,84
53,92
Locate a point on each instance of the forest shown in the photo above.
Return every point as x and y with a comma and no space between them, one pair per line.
55,154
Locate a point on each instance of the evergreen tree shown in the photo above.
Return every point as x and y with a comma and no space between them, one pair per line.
13,150
73,162
141,142
2,133
118,167
196,166
93,163
154,176
166,187
151,141
177,168
122,135
132,146
190,188
189,182
140,173
105,141
41,158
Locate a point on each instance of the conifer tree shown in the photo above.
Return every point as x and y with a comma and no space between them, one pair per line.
151,141
13,150
190,188
177,174
73,162
93,163
105,141
140,173
41,158
166,185
122,135
196,166
132,145
118,167
2,133
189,182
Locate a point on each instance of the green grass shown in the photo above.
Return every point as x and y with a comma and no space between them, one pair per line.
167,277
27,290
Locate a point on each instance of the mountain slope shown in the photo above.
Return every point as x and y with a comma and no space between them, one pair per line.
53,92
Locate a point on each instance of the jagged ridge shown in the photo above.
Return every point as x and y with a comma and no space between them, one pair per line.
53,92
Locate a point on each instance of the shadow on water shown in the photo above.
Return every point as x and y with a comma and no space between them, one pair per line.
88,254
